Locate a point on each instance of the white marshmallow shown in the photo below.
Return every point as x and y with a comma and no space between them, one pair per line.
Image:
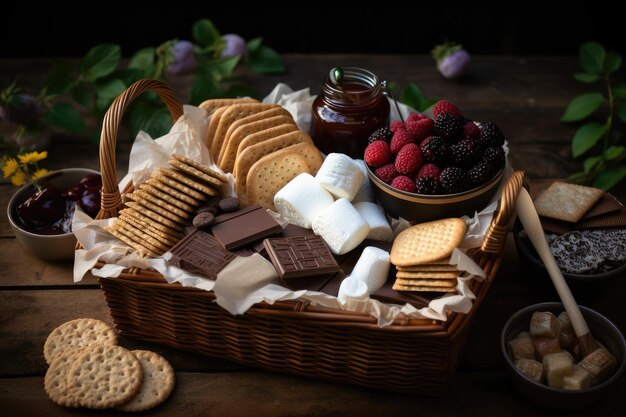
341,226
352,288
372,268
365,193
375,216
340,175
302,200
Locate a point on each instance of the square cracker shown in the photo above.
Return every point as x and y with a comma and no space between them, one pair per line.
256,117
428,268
213,124
213,104
416,288
230,116
427,242
568,202
271,173
427,275
426,283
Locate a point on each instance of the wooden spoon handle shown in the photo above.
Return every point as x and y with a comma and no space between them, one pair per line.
530,220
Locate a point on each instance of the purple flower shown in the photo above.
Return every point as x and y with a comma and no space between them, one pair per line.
22,110
234,45
183,60
452,60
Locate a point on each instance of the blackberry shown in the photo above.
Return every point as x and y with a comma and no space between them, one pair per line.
381,134
448,127
434,149
481,173
452,180
463,153
427,185
490,135
494,155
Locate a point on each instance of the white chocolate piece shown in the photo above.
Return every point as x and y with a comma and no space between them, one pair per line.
340,175
531,368
341,227
372,268
375,216
544,324
365,193
577,378
599,364
557,365
546,345
352,288
302,200
522,348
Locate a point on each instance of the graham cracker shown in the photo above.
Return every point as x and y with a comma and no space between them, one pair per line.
416,288
191,183
170,187
141,236
565,201
78,333
163,196
169,220
138,215
313,155
195,173
161,207
423,275
426,283
213,104
428,268
212,128
201,167
147,228
271,173
427,242
138,246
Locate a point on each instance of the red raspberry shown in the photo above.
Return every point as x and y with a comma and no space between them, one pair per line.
413,117
386,173
420,129
396,125
377,153
429,170
445,107
409,159
404,183
400,138
471,131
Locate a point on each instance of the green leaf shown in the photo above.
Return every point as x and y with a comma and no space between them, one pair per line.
614,152
203,87
222,67
204,32
592,57
585,77
612,62
412,96
60,81
428,103
143,60
620,91
106,93
82,95
586,137
150,117
578,176
591,162
254,44
128,75
100,61
582,106
66,117
266,60
621,111
610,177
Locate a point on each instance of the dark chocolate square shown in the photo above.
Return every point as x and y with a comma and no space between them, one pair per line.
245,226
300,256
200,253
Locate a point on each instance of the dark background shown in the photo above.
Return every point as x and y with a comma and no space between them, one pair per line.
62,29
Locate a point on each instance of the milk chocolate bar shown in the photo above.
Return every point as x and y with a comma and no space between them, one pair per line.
300,256
200,253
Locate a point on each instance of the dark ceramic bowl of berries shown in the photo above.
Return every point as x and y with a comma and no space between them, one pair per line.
41,215
429,168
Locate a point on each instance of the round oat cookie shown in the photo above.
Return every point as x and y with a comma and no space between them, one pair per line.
77,334
55,381
104,377
158,382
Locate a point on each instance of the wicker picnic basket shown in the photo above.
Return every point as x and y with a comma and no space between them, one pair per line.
419,356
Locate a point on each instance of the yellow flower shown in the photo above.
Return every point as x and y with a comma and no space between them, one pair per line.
18,179
10,167
39,173
31,157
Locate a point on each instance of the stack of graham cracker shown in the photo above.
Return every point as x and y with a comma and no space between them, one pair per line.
421,255
156,213
261,145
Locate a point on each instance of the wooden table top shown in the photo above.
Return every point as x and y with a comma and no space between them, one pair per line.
524,96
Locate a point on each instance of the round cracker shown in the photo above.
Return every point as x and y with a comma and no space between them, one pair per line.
104,377
77,334
55,381
158,382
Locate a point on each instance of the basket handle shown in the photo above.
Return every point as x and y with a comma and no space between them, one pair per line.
496,235
111,198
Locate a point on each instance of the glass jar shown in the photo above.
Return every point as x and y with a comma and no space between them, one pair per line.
345,115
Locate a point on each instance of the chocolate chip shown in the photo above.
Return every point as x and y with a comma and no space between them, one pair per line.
203,219
229,204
